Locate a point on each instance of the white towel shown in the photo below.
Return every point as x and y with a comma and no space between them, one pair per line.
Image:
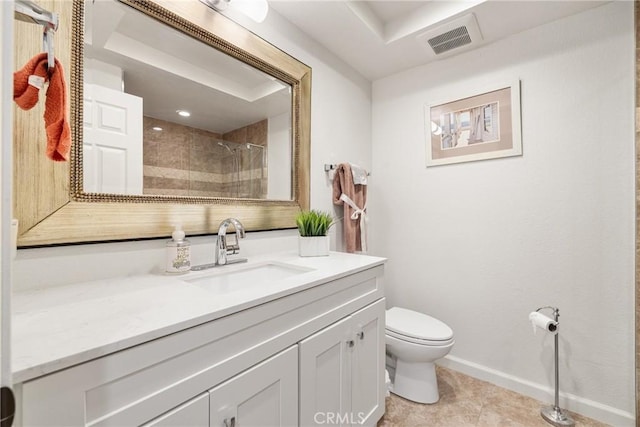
359,174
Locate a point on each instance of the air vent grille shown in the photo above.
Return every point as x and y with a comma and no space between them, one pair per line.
450,40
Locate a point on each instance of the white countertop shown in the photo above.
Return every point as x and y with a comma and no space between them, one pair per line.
61,326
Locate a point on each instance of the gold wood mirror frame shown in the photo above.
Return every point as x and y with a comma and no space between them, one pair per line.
49,201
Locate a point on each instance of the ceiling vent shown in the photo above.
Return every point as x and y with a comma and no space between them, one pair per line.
450,40
456,36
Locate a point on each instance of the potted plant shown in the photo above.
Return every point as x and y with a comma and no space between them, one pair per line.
313,227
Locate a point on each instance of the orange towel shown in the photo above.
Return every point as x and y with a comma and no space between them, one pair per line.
56,117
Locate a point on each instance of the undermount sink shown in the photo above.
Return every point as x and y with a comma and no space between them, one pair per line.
246,278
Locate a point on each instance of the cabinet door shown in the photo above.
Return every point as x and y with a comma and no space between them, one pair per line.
194,413
265,395
367,364
325,377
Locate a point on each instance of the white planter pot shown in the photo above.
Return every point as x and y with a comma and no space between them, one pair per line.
313,246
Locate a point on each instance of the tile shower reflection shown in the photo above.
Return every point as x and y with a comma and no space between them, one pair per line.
184,161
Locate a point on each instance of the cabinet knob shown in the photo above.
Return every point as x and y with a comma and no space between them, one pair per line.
230,422
360,335
351,343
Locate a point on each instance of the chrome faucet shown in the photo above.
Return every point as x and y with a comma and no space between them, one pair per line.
223,248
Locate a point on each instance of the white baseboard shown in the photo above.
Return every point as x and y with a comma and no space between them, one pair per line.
586,407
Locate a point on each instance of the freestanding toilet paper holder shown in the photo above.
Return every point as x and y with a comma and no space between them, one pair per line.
553,414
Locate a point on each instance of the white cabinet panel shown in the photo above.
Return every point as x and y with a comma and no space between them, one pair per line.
264,396
324,374
194,413
368,359
341,371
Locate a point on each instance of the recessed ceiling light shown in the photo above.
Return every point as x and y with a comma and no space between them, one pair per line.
157,128
183,113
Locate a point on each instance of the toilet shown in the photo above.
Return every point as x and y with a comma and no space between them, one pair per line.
414,342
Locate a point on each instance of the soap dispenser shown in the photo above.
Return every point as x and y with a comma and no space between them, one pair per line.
178,252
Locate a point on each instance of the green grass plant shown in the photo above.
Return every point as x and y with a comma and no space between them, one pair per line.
313,223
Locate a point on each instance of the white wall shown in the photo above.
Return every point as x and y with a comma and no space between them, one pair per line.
340,103
279,152
341,131
480,245
340,109
103,74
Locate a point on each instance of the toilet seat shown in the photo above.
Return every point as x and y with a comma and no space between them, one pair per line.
414,340
417,327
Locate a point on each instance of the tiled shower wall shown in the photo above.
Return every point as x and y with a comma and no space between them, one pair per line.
253,160
184,161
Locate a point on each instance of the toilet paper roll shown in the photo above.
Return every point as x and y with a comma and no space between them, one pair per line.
539,320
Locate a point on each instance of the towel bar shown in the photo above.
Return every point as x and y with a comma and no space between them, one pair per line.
28,11
331,166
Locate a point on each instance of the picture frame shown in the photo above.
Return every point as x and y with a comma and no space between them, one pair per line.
479,126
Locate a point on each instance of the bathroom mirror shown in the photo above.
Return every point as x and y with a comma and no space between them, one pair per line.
59,203
164,114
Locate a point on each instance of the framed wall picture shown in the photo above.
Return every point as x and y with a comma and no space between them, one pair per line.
483,125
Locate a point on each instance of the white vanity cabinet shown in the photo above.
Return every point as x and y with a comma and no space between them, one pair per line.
254,366
194,413
265,395
341,382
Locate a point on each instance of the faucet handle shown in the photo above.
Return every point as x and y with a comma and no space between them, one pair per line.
233,248
239,228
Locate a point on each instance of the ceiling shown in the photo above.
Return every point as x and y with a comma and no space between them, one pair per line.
380,38
376,38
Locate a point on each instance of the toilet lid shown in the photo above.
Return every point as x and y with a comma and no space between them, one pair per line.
417,325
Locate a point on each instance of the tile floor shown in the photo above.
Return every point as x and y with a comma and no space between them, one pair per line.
466,401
